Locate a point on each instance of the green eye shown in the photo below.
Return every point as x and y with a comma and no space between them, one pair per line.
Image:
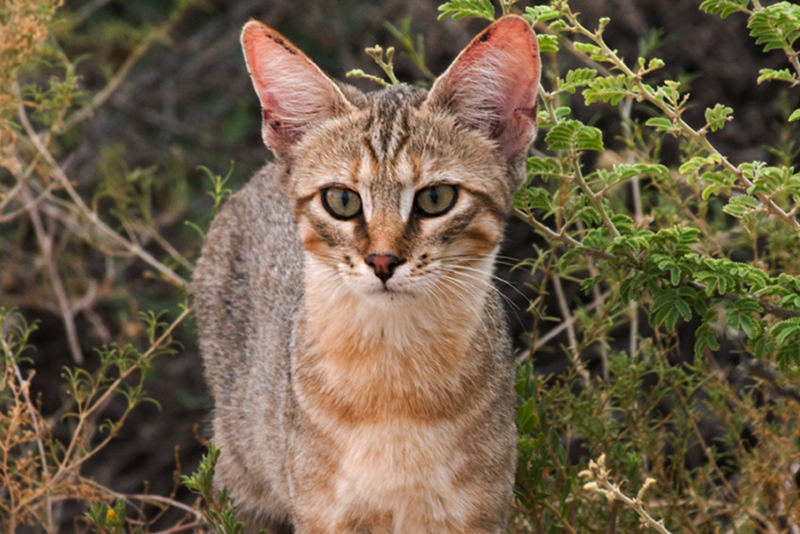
341,203
436,200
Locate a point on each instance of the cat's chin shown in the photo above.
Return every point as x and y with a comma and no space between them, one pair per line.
387,292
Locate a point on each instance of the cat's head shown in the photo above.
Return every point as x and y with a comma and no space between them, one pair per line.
401,191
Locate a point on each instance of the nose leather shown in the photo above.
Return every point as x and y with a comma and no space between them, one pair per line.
383,265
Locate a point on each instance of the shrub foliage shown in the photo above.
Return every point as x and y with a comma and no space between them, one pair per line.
703,250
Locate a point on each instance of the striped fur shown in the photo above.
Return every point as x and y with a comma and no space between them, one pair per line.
345,403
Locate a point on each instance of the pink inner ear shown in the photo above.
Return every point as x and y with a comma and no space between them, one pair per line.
493,84
294,93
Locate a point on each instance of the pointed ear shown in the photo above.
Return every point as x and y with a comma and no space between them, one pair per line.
295,94
493,83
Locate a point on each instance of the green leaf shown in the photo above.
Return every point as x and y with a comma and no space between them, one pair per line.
742,205
590,138
662,124
671,304
723,7
719,182
610,89
740,316
777,26
692,165
547,43
540,13
783,75
546,168
718,116
784,330
795,115
572,135
574,79
706,336
772,180
526,419
592,50
459,9
538,198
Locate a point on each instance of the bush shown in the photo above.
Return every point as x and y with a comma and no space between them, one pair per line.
646,244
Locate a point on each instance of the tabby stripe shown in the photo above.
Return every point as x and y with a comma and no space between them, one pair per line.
489,202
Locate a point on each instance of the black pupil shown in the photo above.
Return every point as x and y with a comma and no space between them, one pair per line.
434,196
344,198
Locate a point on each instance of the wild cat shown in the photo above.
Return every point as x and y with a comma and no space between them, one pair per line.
351,336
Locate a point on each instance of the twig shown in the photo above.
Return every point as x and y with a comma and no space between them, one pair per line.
625,115
701,137
598,474
144,497
46,245
562,237
114,83
25,388
757,368
29,204
562,304
65,465
542,341
754,516
557,513
59,174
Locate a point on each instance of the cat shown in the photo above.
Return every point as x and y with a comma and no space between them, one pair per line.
352,339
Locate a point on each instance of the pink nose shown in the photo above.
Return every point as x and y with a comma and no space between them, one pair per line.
383,265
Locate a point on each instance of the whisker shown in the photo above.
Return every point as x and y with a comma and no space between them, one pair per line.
458,267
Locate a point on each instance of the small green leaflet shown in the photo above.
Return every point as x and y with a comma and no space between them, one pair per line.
546,168
706,335
610,89
739,315
696,163
783,75
662,124
460,9
547,43
540,13
777,26
795,115
742,205
718,116
595,52
575,78
720,182
773,180
574,135
723,7
670,304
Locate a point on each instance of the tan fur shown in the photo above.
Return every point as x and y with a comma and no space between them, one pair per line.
345,403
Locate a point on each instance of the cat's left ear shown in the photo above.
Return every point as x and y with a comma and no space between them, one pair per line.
296,96
492,85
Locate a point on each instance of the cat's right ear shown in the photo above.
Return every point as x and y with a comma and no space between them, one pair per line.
295,94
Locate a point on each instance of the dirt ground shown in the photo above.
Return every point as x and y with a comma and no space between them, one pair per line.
193,95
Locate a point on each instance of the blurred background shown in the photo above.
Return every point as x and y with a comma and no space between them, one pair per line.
187,102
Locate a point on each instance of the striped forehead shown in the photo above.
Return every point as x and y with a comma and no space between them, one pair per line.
386,178
387,127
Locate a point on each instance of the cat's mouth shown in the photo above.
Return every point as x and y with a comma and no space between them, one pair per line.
387,289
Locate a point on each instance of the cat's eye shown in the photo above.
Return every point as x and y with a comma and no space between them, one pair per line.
436,200
341,203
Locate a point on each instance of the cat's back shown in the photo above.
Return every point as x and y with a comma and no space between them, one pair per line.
248,285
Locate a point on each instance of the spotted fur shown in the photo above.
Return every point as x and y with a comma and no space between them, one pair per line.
345,402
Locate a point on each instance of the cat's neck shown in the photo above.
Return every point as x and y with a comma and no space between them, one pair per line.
433,326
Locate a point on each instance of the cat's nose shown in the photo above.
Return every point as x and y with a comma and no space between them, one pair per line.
383,265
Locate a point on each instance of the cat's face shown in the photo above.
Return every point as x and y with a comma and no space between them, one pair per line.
401,193
395,200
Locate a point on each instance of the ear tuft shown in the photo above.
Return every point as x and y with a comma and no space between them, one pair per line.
295,94
492,85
